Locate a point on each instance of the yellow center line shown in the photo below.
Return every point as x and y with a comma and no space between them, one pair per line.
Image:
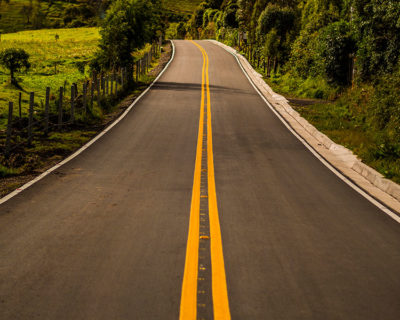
188,310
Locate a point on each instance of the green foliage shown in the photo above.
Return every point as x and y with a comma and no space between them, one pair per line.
229,15
176,31
377,27
336,46
271,47
317,14
384,107
14,60
126,27
244,12
7,172
311,87
304,55
274,27
276,17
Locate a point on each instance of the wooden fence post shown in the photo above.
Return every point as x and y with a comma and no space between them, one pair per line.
91,94
112,85
107,85
98,91
84,93
46,111
9,127
20,105
103,86
72,103
122,78
60,105
30,123
137,71
116,82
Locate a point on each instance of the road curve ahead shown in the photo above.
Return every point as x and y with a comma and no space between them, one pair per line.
199,204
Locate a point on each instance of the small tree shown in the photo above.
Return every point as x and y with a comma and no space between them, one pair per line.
14,60
126,27
27,10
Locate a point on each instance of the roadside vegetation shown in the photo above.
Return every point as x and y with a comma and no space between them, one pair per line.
340,57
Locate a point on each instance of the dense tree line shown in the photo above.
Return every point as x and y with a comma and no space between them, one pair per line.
308,37
348,47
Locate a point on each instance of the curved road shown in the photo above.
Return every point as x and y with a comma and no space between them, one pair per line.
106,235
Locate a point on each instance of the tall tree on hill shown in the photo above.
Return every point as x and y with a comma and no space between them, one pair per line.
128,26
26,10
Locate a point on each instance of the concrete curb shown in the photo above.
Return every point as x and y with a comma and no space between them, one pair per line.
337,152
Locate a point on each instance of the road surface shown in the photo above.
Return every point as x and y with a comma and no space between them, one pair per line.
199,203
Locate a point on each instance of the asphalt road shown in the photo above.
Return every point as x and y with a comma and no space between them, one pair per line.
105,236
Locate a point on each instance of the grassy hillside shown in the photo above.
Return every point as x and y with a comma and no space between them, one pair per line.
46,55
17,15
14,19
182,6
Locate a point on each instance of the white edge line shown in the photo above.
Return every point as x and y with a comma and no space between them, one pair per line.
87,145
350,183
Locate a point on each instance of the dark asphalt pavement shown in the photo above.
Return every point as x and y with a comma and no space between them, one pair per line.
104,237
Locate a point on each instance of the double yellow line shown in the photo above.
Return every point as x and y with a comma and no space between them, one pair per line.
188,308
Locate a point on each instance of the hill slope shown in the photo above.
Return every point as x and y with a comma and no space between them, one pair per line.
17,15
181,6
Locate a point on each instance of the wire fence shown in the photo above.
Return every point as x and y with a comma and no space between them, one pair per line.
68,107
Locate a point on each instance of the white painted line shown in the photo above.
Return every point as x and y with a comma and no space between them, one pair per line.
87,145
350,183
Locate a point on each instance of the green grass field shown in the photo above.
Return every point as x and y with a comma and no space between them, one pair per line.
73,46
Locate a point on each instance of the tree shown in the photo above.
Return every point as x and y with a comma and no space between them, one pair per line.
126,28
26,10
377,25
230,15
14,60
280,21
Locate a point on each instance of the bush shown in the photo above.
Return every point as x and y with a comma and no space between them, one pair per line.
14,60
384,110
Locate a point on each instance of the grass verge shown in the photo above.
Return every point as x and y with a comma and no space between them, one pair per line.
27,162
55,62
